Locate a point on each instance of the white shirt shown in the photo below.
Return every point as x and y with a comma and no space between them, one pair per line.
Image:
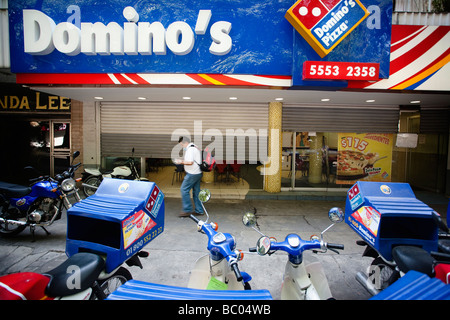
193,154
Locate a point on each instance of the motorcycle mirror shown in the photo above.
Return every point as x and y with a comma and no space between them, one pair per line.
249,219
204,195
76,154
263,245
336,215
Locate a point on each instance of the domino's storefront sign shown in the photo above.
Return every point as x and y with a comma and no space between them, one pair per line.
150,36
324,24
200,37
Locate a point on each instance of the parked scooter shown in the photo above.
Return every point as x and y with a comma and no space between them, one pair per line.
38,205
218,269
80,277
300,282
92,178
399,232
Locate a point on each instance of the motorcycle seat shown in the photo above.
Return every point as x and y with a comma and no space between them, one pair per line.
88,267
140,290
413,258
12,190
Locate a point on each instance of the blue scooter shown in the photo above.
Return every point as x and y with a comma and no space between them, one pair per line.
218,269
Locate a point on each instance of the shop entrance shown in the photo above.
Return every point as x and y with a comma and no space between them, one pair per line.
43,144
309,160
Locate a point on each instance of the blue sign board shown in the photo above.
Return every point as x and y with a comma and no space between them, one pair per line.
192,36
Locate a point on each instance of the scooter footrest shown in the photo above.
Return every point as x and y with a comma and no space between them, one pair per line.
139,290
415,286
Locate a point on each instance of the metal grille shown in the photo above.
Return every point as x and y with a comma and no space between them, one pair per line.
340,119
153,128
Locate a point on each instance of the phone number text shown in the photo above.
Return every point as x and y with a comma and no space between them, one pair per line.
340,70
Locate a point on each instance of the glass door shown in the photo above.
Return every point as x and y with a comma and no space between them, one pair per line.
60,146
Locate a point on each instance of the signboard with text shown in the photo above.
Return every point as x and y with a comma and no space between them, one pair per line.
364,156
197,37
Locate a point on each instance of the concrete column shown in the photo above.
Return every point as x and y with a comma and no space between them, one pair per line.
272,170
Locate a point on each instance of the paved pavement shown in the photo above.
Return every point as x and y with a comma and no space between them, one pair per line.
174,252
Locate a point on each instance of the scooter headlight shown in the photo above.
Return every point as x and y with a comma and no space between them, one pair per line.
68,184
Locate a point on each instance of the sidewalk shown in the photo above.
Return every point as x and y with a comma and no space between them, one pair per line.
174,252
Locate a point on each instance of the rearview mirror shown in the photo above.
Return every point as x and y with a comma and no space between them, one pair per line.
336,215
204,195
263,245
249,220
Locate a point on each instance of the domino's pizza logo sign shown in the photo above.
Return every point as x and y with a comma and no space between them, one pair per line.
325,23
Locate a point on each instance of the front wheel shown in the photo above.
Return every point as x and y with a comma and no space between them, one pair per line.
111,284
9,229
381,274
93,181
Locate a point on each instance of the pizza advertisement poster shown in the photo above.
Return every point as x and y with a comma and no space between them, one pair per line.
364,157
135,226
369,217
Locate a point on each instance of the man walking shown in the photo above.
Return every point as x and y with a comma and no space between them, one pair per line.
191,162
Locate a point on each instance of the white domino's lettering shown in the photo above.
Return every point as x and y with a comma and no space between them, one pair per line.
42,35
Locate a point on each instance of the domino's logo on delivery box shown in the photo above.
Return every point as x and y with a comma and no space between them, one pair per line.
325,23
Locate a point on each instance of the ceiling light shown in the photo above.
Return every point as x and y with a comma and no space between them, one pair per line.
415,101
279,99
187,98
370,101
233,98
142,98
325,100
98,98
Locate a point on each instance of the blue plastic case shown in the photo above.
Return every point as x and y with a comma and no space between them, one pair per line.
117,221
389,214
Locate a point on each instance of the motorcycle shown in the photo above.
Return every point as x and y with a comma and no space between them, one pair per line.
91,178
398,231
219,269
300,282
38,205
80,277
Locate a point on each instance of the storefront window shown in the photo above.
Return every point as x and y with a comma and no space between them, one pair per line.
338,160
315,161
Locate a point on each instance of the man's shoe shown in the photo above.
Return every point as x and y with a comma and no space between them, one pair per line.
184,214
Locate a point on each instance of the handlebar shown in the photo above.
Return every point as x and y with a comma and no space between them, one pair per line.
196,220
235,268
294,245
335,246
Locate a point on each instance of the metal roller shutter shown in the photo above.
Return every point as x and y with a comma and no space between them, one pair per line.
340,118
148,127
434,119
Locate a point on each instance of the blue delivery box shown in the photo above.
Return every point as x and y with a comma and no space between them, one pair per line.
117,221
386,215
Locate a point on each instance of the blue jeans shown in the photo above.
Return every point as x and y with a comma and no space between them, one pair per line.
191,181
